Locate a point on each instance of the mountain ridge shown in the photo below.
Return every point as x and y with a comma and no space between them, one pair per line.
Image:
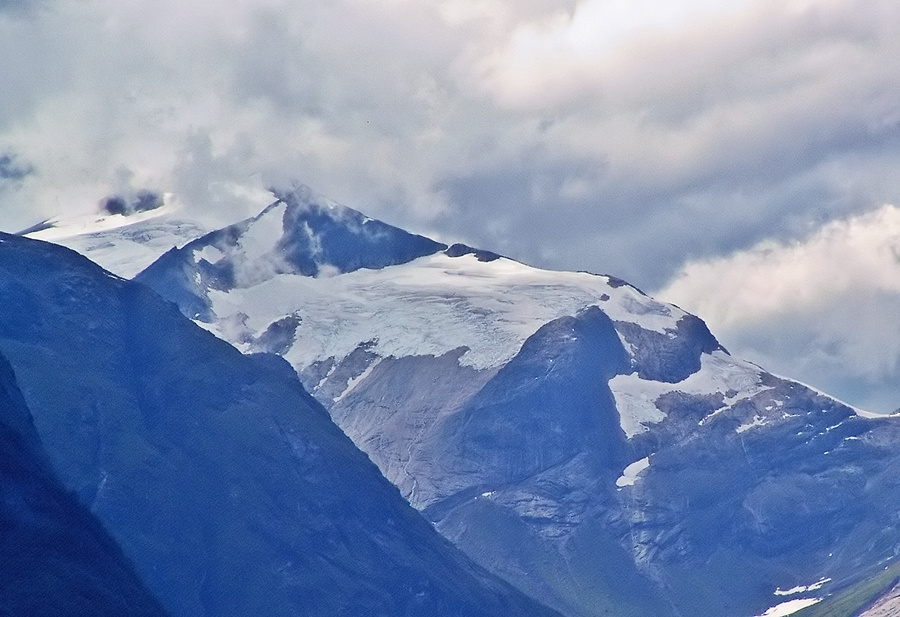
541,419
225,483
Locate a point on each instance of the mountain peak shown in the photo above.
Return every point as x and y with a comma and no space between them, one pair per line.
299,233
321,236
303,233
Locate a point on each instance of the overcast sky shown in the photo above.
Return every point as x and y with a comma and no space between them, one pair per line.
733,156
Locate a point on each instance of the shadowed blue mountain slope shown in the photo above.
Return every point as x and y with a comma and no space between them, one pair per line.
57,560
225,483
513,428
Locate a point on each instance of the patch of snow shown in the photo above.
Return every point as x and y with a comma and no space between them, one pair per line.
355,381
636,398
209,253
790,607
630,474
756,421
636,402
789,592
818,585
803,588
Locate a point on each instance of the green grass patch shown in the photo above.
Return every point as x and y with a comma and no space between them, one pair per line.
855,598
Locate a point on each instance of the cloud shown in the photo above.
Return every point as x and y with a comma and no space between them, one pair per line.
622,137
821,309
19,8
763,119
12,169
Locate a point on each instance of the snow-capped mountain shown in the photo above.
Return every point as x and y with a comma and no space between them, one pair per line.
224,482
595,447
123,241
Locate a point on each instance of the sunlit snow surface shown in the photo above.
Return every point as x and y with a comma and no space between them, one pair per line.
790,607
124,245
431,306
636,397
630,474
802,588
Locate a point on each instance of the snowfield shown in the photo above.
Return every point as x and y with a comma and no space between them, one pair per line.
429,306
124,245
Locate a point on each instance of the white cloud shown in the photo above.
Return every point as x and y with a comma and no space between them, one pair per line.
822,309
842,258
570,53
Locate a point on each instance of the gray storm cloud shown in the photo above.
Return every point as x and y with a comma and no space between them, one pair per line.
622,137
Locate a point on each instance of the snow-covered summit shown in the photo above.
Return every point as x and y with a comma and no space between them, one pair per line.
299,234
122,240
429,306
353,281
302,233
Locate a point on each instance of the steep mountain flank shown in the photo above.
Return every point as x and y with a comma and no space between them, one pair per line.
227,485
57,558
